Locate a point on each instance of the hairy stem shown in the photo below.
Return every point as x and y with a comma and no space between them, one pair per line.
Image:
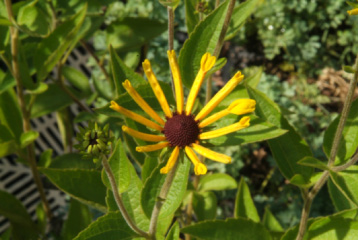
351,162
61,81
119,201
100,65
159,203
170,12
25,113
344,115
313,192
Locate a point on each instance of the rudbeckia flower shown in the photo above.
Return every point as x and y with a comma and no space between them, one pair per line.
182,129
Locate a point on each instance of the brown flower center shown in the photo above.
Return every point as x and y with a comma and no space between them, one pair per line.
181,130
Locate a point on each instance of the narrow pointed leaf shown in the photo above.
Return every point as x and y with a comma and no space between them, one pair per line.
244,205
205,205
174,232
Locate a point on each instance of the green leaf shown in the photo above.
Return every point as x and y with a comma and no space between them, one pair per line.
239,16
339,201
220,63
349,141
191,15
109,226
82,184
103,88
238,229
51,49
347,183
71,160
204,205
348,214
22,225
41,218
154,183
41,88
148,167
79,217
5,22
313,162
244,205
6,80
10,114
287,149
216,182
174,232
77,79
121,72
352,4
131,33
270,222
139,157
203,39
120,168
52,100
28,138
333,228
45,158
348,69
259,130
8,144
33,19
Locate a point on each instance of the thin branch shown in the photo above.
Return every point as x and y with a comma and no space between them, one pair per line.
100,65
159,203
25,114
313,192
119,201
61,81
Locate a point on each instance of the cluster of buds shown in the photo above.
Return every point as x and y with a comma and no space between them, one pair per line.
93,141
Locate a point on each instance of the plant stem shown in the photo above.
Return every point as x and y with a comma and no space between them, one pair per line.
159,203
25,114
313,192
351,162
100,65
61,81
344,115
119,201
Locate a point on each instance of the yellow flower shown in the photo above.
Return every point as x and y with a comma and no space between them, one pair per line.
182,129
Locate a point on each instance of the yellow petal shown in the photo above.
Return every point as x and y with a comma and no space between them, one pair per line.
199,168
156,88
211,154
136,117
353,12
141,102
207,62
171,162
151,148
242,106
209,120
243,123
179,94
143,136
229,86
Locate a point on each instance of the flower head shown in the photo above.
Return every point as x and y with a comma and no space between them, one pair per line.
182,129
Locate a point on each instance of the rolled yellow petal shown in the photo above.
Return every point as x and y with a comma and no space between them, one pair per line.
199,168
151,148
171,161
143,136
213,118
353,11
179,94
211,154
242,106
229,86
243,123
207,62
141,102
136,117
156,88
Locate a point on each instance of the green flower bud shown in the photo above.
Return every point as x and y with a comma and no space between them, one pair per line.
93,141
